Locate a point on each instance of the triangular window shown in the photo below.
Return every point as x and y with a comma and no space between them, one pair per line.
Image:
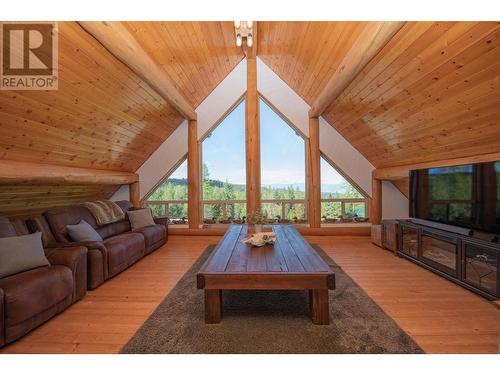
169,198
283,167
224,169
341,200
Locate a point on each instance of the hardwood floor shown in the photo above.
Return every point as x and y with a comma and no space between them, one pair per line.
440,316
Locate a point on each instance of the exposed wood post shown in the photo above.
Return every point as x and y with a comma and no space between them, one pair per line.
252,137
376,201
194,177
135,194
314,175
118,40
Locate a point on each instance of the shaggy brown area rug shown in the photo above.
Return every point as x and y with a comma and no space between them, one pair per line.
269,322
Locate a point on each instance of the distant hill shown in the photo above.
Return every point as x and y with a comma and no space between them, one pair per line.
326,188
177,181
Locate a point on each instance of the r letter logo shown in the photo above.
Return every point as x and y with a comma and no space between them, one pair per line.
28,56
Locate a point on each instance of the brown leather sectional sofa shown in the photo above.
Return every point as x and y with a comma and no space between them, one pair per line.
121,247
30,298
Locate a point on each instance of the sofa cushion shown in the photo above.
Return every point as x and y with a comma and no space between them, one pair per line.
38,223
21,253
114,229
124,250
58,218
125,205
154,235
140,218
29,293
83,232
20,227
6,228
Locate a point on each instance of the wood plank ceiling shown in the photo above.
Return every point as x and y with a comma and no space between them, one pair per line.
432,93
103,116
196,55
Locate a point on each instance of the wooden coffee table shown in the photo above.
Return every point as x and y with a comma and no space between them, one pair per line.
290,264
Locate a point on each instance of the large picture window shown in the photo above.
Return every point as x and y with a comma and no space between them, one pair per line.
170,196
224,169
341,201
283,168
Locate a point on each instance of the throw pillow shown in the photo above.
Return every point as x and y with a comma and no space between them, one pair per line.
140,218
83,232
21,253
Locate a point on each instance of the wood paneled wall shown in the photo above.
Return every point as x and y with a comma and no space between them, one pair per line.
23,200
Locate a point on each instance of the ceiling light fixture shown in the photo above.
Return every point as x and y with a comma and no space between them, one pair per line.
244,33
249,40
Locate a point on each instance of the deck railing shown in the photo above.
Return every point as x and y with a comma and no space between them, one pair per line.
343,202
162,208
224,204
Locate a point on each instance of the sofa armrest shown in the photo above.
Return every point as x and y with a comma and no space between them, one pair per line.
97,261
2,319
75,258
88,244
163,220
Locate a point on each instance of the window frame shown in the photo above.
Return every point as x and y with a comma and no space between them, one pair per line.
366,198
306,140
162,180
205,136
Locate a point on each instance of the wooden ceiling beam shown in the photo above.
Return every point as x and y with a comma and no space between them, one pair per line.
17,172
369,43
116,38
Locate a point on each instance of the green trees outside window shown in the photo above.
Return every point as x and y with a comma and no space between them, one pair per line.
340,200
283,167
170,197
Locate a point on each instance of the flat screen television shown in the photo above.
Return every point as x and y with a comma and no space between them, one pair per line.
466,196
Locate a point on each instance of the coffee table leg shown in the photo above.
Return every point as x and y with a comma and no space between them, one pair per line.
213,306
320,312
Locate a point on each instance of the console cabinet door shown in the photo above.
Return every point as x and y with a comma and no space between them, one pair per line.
441,252
409,240
480,266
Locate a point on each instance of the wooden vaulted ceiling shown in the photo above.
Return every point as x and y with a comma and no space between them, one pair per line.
104,116
306,54
197,56
432,93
